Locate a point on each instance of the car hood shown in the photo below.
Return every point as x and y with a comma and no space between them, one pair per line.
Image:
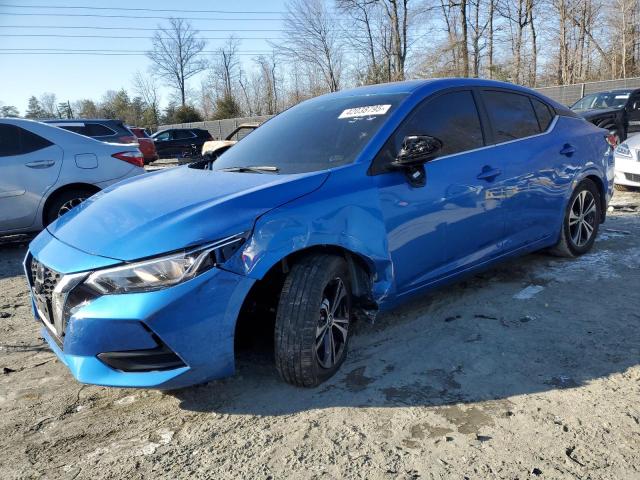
599,112
160,212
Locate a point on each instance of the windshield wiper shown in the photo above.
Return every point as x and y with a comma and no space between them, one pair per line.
252,169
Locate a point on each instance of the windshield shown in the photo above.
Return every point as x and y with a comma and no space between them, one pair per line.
318,134
602,100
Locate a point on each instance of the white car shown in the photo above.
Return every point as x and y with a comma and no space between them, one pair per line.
45,171
627,157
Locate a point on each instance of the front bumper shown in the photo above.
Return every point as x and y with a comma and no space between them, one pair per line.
627,172
194,321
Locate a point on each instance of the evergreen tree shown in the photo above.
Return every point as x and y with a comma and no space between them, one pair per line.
34,109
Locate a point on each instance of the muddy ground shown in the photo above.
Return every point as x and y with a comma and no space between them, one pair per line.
529,370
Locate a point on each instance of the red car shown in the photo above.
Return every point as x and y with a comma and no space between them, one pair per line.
147,147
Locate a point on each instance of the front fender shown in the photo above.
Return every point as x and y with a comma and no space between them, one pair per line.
343,213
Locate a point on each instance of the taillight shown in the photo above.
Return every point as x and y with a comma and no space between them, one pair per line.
612,140
134,158
127,139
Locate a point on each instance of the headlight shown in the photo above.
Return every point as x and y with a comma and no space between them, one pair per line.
623,150
165,271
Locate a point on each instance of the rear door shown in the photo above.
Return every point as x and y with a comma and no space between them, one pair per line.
536,164
29,167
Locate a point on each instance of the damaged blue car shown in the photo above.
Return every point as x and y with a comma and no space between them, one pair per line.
342,206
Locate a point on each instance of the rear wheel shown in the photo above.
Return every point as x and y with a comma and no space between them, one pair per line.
64,202
581,221
313,320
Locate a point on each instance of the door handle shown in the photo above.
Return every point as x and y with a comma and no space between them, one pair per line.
41,164
488,173
568,150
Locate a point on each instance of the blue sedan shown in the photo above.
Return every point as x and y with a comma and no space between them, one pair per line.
342,206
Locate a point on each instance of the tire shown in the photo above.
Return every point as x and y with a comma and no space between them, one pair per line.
302,346
65,201
581,221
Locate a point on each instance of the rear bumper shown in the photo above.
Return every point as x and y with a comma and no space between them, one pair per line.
171,338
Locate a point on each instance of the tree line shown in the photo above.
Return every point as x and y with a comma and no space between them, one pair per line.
329,45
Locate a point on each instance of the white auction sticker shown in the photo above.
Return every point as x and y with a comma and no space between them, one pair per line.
365,111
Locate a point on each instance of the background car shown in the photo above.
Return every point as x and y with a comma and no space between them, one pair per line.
104,130
180,142
616,110
214,148
146,144
627,170
45,171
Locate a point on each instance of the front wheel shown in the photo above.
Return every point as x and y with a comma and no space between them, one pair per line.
581,221
313,320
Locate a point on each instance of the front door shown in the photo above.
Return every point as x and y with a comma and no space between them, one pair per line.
633,113
454,220
29,167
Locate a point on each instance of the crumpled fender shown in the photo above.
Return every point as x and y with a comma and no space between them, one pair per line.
343,213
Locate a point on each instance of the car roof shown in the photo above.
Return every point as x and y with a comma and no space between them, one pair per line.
76,120
48,131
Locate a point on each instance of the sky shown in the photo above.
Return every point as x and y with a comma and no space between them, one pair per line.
32,41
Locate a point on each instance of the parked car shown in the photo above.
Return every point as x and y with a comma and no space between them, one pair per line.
616,110
113,131
146,144
214,148
627,157
45,171
180,142
343,205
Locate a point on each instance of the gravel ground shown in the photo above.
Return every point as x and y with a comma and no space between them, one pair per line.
529,370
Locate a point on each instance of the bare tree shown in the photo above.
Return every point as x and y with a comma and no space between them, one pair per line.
175,54
267,68
225,67
49,105
146,87
311,38
398,16
368,38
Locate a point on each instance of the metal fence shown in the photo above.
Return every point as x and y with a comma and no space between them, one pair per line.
219,129
570,94
565,94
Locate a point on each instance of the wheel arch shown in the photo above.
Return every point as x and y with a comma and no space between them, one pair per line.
265,291
601,191
60,190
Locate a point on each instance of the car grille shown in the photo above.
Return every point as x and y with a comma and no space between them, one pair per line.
43,279
633,177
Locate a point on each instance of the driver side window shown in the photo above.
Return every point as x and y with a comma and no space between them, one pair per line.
452,118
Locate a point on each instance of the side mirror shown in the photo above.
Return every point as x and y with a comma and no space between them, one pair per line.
417,149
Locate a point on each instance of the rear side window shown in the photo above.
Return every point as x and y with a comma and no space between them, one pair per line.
18,141
82,130
30,142
179,134
452,118
543,112
511,115
99,130
9,140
